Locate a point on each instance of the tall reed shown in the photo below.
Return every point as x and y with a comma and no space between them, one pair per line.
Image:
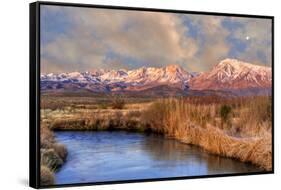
246,137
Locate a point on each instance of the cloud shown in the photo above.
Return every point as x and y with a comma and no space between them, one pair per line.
86,38
213,46
154,39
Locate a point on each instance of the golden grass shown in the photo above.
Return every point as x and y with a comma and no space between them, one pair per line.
60,150
201,125
46,176
93,121
214,140
233,127
53,155
51,159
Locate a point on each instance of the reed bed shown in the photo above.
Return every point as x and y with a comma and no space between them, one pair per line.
245,134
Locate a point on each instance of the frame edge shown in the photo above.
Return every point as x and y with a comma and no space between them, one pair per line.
34,109
33,105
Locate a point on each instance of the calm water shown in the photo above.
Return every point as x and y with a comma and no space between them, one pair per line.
111,156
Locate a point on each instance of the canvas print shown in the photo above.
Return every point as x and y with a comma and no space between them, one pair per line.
139,95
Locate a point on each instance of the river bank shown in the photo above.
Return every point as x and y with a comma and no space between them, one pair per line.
235,128
213,140
53,156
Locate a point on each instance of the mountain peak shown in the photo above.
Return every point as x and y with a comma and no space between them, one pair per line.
237,64
234,74
174,68
228,60
74,74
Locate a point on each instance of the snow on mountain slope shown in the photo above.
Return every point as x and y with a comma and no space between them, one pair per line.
170,74
229,74
138,79
233,74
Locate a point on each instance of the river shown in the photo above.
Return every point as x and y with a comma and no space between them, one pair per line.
113,156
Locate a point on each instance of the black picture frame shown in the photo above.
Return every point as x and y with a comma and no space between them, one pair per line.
34,91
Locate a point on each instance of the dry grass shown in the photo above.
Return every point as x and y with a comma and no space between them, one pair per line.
60,150
54,102
53,155
118,102
234,127
46,137
116,120
248,139
47,176
51,159
95,119
214,140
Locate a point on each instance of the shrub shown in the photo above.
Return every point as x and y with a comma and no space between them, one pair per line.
154,116
50,159
102,106
118,102
60,150
225,111
46,176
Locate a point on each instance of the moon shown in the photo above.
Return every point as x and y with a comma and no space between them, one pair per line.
247,37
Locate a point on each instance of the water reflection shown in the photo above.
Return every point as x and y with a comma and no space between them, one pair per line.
109,156
172,150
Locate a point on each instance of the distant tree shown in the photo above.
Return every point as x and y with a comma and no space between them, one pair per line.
225,112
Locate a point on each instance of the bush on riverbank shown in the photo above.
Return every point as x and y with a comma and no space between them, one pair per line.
46,176
60,150
50,159
53,155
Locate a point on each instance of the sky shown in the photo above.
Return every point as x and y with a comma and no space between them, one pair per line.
85,39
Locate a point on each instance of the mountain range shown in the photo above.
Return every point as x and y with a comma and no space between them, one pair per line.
229,75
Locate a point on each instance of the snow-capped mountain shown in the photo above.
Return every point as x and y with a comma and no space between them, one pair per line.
233,74
228,75
118,80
